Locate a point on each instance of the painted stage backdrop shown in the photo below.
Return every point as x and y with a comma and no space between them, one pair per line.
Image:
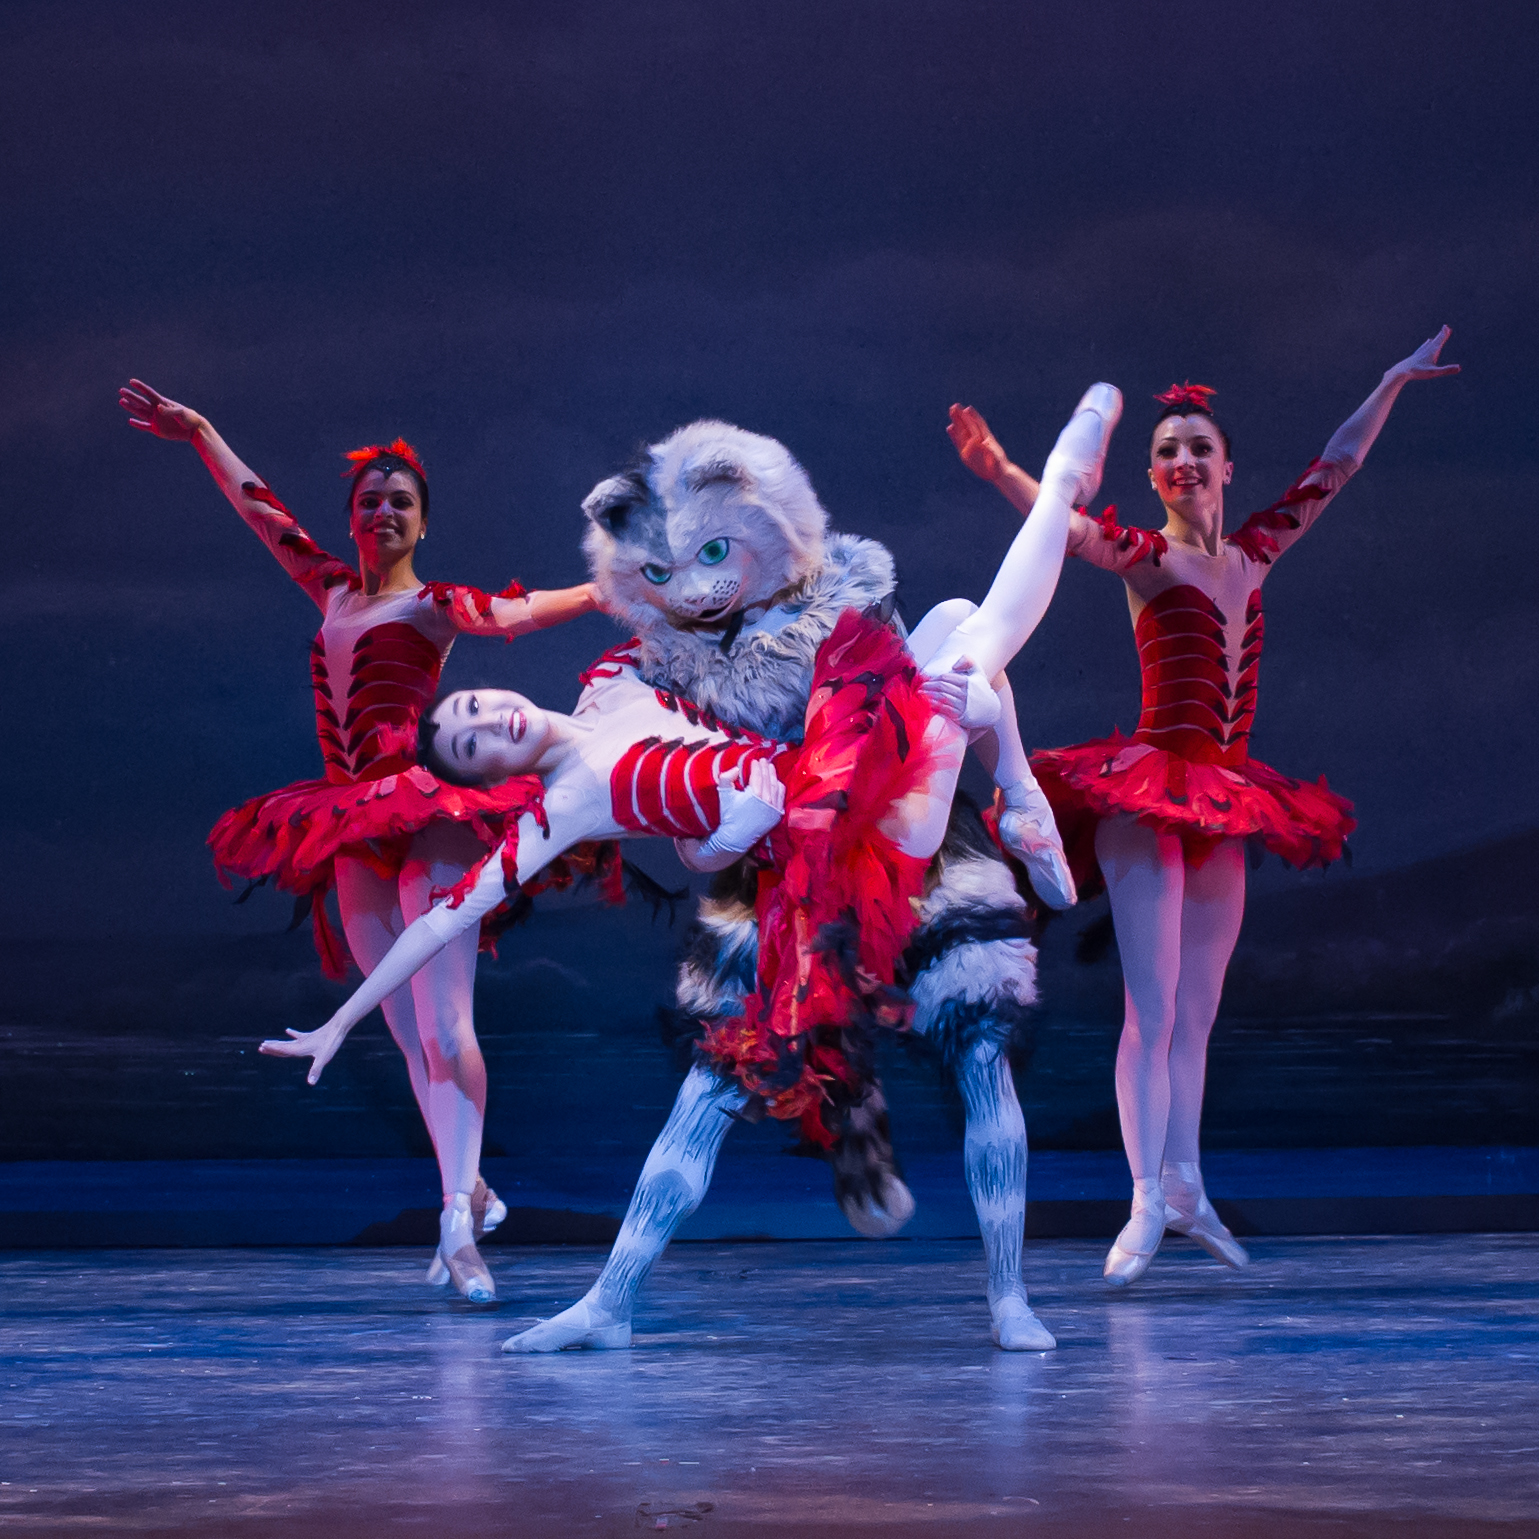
529,239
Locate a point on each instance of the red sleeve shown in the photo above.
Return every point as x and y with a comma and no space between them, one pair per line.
312,568
1271,531
469,610
1105,543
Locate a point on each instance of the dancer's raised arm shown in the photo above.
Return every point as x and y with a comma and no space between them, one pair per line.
1270,532
1351,442
312,568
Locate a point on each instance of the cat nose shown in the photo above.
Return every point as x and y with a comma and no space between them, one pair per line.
696,590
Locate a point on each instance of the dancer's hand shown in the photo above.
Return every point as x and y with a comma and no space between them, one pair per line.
976,446
320,1045
748,811
151,412
1423,364
962,695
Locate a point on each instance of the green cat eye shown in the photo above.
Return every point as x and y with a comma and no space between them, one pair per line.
660,574
713,551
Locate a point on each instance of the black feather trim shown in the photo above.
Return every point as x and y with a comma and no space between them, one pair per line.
961,1025
651,892
969,924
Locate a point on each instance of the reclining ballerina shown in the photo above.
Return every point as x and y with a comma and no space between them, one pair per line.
850,819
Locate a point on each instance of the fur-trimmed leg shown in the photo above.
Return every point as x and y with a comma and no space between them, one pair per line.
673,1182
995,1158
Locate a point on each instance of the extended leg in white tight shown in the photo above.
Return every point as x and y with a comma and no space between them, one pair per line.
994,1155
673,1182
1176,929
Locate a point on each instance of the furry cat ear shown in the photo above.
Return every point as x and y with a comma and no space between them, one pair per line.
611,502
717,471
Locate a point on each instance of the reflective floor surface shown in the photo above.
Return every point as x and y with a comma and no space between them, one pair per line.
1343,1387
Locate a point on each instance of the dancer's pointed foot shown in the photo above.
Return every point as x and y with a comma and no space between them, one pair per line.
1081,448
487,1209
1017,1329
458,1261
1021,833
1134,1248
1188,1212
583,1325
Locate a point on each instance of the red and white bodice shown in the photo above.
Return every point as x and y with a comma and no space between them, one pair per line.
376,661
1198,622
671,754
1187,769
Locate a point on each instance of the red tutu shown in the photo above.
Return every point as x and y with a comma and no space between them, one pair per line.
295,835
1304,822
835,912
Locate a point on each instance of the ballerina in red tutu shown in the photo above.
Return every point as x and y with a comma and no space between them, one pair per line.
1161,817
379,828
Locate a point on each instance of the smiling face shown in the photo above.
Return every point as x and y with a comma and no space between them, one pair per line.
487,735
386,516
1187,465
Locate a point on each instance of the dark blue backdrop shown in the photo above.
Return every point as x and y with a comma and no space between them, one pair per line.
528,237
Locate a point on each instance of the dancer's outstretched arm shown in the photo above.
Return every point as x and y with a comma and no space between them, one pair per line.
1351,442
572,817
1019,595
980,451
416,946
151,412
1276,528
311,567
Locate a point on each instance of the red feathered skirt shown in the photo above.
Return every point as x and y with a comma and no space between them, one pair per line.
294,836
1303,821
835,911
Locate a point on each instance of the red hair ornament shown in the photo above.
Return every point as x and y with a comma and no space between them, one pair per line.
1189,397
400,450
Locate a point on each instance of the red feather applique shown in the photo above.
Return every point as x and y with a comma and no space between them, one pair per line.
400,449
1192,397
1146,544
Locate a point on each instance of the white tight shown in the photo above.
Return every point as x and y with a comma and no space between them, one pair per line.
1176,928
431,1018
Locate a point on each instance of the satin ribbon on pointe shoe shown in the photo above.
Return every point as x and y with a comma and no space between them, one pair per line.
457,1259
1134,1248
487,1210
1188,1212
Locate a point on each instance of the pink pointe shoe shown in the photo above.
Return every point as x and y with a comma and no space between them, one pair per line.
1134,1248
457,1259
1188,1212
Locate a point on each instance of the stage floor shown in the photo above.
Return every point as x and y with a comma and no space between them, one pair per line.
1340,1386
